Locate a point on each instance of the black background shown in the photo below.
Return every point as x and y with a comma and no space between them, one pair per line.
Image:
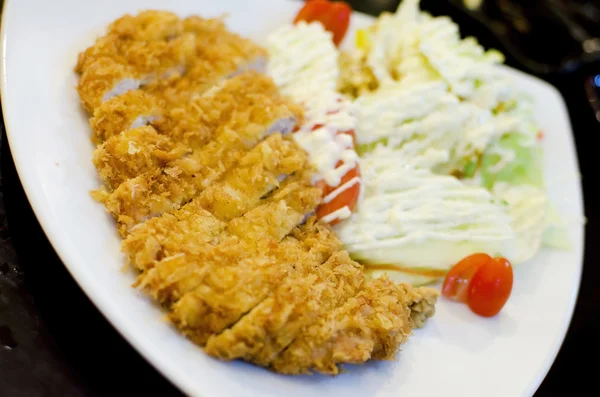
54,342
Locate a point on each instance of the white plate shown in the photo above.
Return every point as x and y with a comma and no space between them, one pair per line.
457,352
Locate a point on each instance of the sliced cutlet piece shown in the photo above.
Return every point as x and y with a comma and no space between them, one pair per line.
370,325
257,173
159,58
105,78
196,122
310,291
132,153
245,99
159,191
219,43
133,109
237,285
287,207
262,226
144,27
188,230
220,54
144,62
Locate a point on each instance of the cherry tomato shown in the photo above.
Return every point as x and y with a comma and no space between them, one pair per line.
483,282
458,280
491,287
334,16
349,197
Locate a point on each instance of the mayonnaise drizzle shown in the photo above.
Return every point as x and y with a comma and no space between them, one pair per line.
303,63
404,205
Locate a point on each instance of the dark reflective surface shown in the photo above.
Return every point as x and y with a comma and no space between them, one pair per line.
53,341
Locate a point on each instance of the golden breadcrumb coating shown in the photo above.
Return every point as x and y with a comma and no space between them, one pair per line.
134,152
196,121
310,291
146,57
100,77
160,191
233,289
232,286
256,174
148,25
370,325
188,229
266,224
132,109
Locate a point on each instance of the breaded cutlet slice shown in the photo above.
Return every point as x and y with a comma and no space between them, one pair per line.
195,122
161,191
105,78
267,224
145,26
220,54
257,173
246,106
188,229
370,325
138,64
199,115
132,153
310,291
234,287
133,109
151,57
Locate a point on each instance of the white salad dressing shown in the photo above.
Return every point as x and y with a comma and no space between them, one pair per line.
304,63
405,209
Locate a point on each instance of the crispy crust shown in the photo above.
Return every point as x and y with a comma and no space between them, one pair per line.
132,153
122,112
100,77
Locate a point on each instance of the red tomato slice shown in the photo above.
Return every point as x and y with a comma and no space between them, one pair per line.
334,16
491,287
349,197
483,282
458,280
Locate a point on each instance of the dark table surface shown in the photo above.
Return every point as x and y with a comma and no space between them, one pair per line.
54,342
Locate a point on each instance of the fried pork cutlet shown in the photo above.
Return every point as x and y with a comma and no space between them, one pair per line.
310,290
220,54
243,105
190,228
154,51
370,325
231,289
163,190
133,109
264,225
132,153
135,65
196,122
145,27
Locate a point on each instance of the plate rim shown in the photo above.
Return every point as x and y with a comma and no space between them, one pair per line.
171,373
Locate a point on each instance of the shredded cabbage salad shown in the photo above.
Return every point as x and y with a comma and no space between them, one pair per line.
449,149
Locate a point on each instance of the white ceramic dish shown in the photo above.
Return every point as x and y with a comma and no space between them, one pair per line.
457,352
